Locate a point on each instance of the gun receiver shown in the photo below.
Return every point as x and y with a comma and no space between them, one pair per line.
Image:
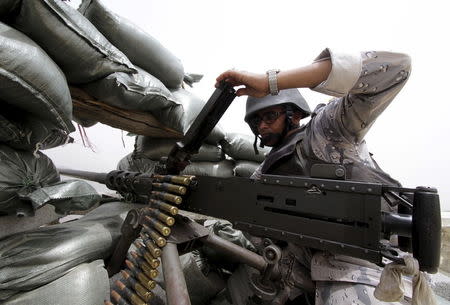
337,216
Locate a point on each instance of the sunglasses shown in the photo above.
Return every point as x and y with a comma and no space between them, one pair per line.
267,117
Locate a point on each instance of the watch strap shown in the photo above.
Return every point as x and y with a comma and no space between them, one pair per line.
273,81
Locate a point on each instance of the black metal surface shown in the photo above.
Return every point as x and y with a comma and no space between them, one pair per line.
130,231
202,126
338,216
426,235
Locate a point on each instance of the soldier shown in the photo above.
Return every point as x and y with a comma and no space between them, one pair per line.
364,84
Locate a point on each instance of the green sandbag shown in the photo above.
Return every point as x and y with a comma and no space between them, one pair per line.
245,168
81,51
153,148
223,169
26,86
31,259
135,163
87,283
20,174
140,47
31,133
240,147
140,91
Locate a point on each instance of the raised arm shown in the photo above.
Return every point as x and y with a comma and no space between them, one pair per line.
257,85
366,83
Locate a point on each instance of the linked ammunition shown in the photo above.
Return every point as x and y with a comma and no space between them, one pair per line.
132,297
142,250
118,298
166,196
151,247
158,239
148,270
160,215
164,206
159,226
167,187
173,179
140,290
142,278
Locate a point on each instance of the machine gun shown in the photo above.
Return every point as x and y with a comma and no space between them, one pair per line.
337,216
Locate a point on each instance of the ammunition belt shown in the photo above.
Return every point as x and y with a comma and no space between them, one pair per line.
136,281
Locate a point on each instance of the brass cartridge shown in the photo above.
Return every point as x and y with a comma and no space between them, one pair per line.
158,239
164,206
142,278
168,220
173,179
167,197
132,297
141,291
118,298
172,188
159,226
151,247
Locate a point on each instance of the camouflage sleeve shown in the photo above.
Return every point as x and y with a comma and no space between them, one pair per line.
365,84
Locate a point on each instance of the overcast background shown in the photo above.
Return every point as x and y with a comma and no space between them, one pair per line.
409,140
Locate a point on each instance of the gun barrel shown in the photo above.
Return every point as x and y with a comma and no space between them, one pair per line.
92,176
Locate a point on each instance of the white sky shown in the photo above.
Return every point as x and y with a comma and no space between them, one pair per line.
409,140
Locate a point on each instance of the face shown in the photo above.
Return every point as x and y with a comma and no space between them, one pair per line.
271,121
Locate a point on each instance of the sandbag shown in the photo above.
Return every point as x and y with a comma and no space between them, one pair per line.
26,86
27,132
32,259
245,168
87,283
80,50
140,91
140,47
180,117
240,147
134,163
153,148
21,173
223,169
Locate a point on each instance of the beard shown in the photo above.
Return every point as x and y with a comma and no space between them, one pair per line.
270,139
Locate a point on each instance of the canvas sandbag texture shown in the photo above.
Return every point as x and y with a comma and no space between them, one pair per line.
26,132
240,147
21,172
140,91
154,148
79,49
140,47
29,87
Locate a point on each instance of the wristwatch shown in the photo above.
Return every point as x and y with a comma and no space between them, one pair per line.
273,81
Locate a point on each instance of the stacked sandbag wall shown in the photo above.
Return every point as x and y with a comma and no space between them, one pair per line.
210,161
240,148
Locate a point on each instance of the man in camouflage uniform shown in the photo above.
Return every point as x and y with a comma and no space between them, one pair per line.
364,84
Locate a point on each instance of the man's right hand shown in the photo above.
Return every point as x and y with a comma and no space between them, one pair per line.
255,85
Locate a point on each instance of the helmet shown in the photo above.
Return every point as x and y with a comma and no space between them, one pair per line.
285,97
291,98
